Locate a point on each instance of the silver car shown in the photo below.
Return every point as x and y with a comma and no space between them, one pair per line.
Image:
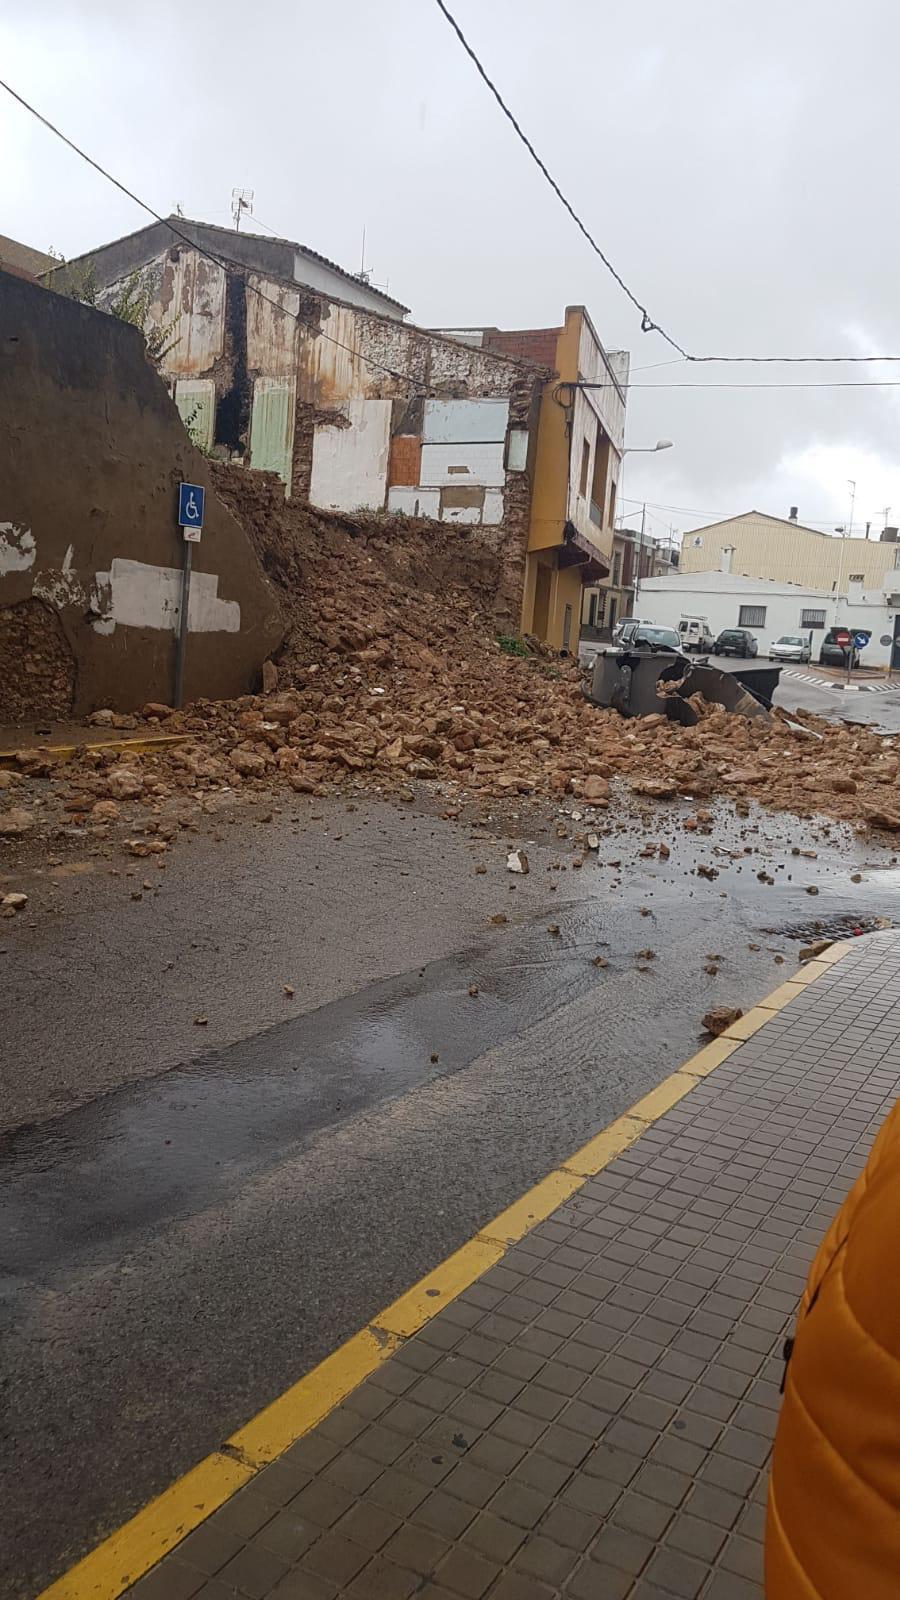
791,647
624,629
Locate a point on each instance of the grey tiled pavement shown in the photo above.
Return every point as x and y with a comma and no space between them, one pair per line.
592,1419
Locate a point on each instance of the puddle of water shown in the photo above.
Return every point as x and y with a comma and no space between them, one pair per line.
71,1188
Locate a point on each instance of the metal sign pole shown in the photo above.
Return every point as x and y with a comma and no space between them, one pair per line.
183,624
191,502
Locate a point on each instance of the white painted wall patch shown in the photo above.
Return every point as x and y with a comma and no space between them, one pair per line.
17,548
145,596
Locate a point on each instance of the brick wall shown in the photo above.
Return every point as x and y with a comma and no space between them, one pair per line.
525,344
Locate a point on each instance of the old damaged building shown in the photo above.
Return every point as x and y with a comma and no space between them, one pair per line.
280,359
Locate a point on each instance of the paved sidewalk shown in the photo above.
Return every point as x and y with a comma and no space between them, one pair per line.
592,1418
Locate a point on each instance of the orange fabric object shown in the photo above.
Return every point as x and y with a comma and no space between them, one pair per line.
833,1522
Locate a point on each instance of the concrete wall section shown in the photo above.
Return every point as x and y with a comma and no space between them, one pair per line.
94,540
350,457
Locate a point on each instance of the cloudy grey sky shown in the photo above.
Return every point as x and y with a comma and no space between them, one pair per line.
738,163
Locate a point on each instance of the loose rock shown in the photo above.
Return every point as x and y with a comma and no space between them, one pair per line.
720,1018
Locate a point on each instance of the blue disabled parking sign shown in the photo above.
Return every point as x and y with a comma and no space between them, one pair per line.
190,505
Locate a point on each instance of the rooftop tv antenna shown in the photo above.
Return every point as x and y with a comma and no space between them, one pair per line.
241,201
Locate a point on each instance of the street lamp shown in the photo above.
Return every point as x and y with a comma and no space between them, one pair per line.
636,450
647,449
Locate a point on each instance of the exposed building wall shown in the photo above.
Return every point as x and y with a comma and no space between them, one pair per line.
279,377
91,452
785,552
350,458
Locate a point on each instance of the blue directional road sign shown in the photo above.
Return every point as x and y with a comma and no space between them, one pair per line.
190,505
860,640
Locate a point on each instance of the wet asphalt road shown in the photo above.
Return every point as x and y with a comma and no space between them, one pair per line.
217,1208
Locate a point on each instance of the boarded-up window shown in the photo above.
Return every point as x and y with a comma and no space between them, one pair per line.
272,427
196,402
406,453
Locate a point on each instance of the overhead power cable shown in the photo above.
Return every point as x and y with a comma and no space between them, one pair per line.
210,255
782,383
648,323
829,524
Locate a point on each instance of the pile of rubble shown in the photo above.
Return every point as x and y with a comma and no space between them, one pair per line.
392,672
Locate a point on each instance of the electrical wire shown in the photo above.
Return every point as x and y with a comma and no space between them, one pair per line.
400,377
648,323
817,383
721,516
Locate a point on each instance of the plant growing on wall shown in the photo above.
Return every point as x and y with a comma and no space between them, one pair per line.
193,424
129,300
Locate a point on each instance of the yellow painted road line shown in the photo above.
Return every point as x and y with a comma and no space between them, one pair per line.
426,1298
65,752
138,1545
311,1398
534,1207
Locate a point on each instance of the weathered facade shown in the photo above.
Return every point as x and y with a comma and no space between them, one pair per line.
91,452
352,407
577,462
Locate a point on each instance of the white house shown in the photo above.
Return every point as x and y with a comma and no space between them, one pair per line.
768,610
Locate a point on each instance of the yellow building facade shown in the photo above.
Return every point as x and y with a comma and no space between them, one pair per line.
759,546
575,472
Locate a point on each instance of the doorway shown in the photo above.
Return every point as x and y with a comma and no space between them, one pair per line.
541,615
613,607
567,627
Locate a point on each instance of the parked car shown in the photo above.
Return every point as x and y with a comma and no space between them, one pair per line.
695,634
736,642
791,647
655,638
625,627
832,654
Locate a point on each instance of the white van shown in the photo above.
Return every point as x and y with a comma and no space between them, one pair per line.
695,635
